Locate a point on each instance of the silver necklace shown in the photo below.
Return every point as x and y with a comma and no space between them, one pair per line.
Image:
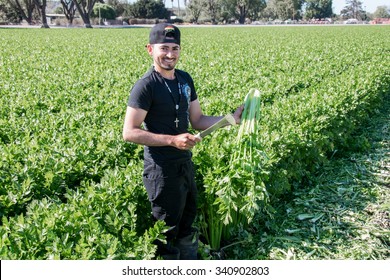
177,105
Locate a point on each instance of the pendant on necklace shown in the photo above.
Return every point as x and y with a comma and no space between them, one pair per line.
177,122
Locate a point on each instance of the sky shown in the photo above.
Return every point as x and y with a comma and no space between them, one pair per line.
368,5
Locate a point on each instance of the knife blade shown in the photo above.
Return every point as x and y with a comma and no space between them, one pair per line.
226,120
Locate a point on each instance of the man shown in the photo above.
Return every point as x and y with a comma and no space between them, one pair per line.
160,107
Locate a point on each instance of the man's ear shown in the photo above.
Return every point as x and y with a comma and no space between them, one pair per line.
149,48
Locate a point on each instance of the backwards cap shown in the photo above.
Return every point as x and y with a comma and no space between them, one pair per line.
164,33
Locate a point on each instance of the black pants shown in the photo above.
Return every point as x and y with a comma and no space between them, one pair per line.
173,195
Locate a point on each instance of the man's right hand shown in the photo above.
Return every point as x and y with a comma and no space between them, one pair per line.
185,141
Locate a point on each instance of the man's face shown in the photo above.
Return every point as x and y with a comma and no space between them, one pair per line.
165,56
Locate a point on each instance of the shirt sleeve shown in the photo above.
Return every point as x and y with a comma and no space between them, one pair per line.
140,96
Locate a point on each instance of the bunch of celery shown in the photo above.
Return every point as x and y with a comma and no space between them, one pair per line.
235,197
243,193
247,133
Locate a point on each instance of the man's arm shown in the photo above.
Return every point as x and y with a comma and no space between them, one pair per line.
133,132
201,122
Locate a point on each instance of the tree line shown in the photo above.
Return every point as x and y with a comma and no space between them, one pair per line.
15,11
216,11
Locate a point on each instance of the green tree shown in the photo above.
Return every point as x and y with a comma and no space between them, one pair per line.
256,9
243,9
85,8
7,13
382,12
119,6
213,9
29,10
103,11
319,9
69,9
149,9
228,10
284,9
41,6
24,9
195,8
353,9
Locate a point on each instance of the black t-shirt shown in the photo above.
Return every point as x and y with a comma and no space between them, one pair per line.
159,97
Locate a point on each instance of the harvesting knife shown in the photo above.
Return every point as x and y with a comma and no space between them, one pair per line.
226,120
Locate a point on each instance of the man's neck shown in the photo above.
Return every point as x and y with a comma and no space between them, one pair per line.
167,74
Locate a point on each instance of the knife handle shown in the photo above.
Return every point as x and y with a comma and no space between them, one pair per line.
198,136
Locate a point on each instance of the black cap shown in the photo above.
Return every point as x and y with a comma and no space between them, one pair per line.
164,33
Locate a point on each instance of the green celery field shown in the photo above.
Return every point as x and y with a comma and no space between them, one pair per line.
71,188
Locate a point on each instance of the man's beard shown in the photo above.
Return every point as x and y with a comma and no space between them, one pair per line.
167,65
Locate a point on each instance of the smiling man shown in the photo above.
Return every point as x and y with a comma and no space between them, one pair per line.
161,106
